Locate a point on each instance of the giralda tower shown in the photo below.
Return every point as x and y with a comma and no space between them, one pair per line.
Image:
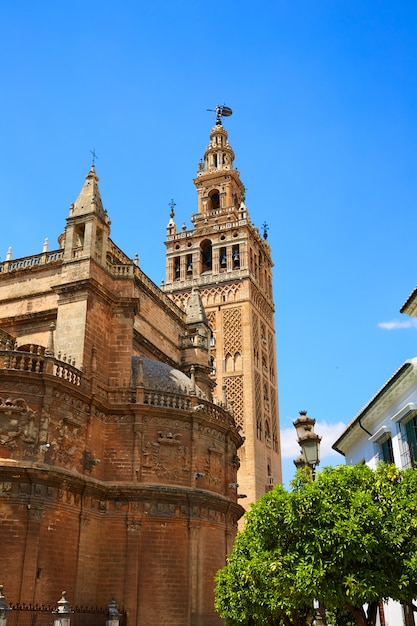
229,261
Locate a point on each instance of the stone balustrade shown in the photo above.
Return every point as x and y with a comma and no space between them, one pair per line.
29,262
38,363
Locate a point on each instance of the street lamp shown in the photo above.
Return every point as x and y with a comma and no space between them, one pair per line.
113,615
4,609
63,612
309,442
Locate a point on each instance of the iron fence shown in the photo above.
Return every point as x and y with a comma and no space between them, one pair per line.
45,615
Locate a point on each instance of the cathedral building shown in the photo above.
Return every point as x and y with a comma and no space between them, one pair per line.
129,414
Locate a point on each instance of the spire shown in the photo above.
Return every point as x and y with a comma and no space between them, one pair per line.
88,225
89,200
195,308
171,226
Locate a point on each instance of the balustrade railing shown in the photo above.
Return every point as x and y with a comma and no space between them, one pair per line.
31,261
168,400
38,363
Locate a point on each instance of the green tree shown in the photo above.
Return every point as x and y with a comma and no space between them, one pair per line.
348,539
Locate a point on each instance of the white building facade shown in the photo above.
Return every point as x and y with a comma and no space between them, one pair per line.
386,430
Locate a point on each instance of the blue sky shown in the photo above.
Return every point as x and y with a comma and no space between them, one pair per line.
324,95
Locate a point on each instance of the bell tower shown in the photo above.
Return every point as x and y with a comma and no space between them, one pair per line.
227,258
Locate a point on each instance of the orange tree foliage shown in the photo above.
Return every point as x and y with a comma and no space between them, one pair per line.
347,539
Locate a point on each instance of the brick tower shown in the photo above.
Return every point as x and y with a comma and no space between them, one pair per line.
224,255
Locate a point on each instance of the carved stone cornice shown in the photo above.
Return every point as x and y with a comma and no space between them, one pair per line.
36,486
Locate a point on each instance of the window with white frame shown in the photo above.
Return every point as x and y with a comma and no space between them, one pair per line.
406,420
409,439
386,452
382,441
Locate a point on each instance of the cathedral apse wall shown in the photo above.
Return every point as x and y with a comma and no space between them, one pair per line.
139,493
117,469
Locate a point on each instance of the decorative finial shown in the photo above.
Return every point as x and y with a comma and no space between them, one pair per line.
172,204
265,228
93,152
221,111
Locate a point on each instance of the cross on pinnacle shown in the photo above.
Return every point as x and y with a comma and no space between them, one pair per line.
93,152
172,204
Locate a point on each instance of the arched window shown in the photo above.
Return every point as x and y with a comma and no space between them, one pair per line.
228,363
189,264
177,267
206,256
236,257
259,429
266,397
214,200
223,259
267,432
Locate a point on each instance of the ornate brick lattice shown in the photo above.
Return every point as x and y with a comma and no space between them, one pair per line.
232,329
273,396
261,304
255,337
180,299
234,393
212,320
271,354
213,350
220,294
258,394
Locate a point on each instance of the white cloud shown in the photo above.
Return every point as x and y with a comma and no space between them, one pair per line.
394,324
328,432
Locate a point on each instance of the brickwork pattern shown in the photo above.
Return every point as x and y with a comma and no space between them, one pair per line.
234,392
232,331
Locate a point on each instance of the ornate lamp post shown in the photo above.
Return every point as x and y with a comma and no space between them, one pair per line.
63,612
309,442
113,615
4,609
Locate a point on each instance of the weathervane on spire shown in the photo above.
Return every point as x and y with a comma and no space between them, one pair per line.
221,111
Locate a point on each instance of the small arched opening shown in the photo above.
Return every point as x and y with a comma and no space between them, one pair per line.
206,256
214,200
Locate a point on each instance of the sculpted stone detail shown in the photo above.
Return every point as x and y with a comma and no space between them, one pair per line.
214,465
166,457
63,447
18,428
133,525
166,423
35,513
